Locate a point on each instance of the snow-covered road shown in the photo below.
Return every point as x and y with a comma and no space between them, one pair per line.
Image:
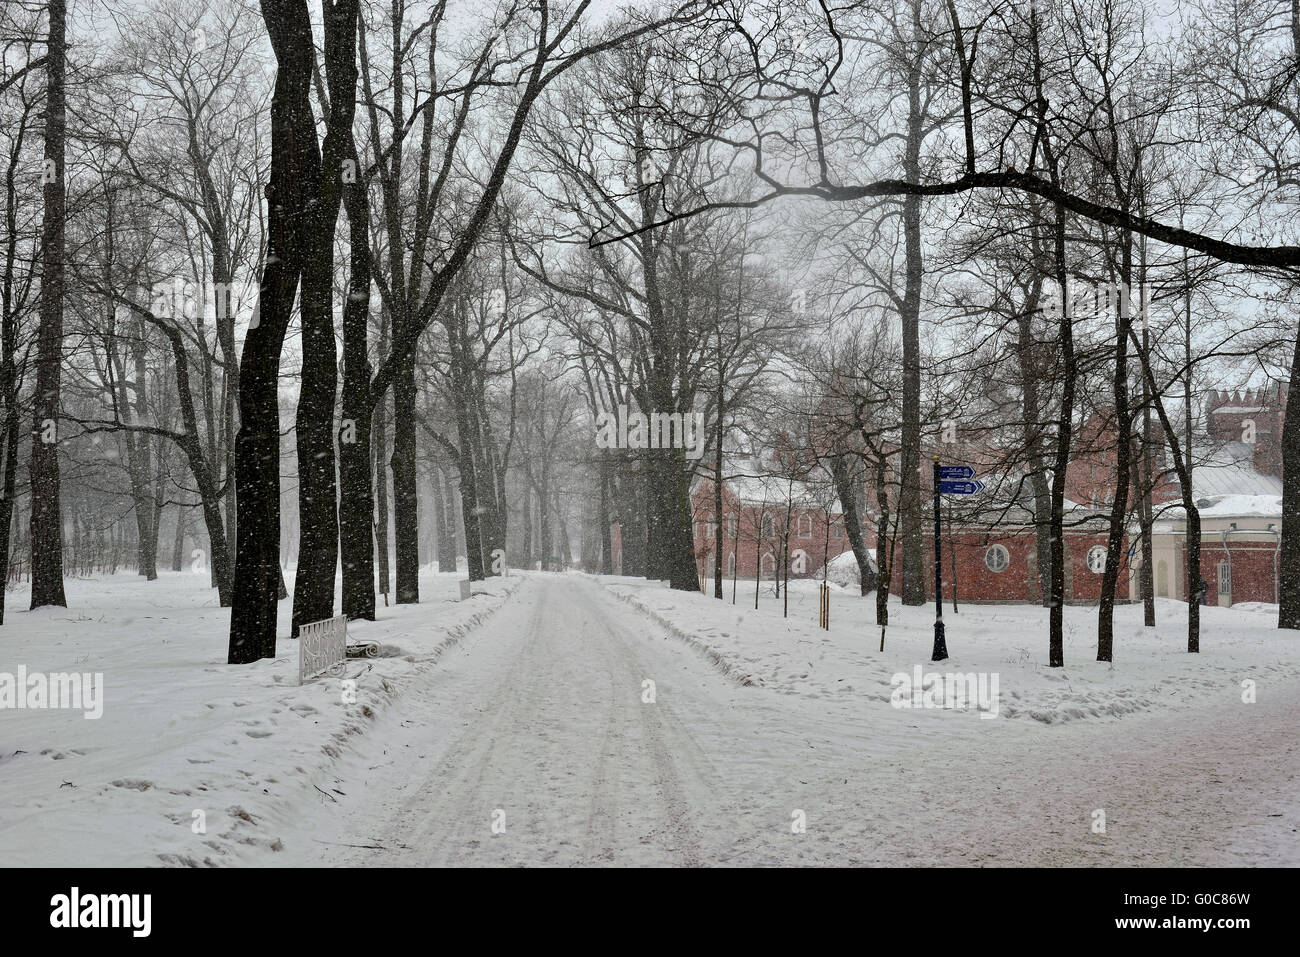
541,723
533,742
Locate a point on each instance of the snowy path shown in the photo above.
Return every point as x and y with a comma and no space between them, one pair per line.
540,718
552,732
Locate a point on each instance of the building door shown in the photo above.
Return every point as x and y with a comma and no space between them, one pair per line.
1225,585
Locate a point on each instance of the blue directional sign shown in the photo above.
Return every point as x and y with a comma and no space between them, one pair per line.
956,472
960,488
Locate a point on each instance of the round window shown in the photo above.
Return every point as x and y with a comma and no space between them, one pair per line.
997,558
1097,559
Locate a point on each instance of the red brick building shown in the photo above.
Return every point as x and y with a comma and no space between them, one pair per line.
994,553
763,517
1237,483
997,560
990,543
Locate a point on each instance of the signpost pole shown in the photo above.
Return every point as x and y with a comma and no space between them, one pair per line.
940,646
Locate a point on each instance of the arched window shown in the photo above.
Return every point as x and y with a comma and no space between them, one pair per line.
767,566
805,526
997,558
731,527
765,529
731,564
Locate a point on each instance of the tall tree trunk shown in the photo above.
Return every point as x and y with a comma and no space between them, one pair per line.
1193,541
356,501
632,512
566,547
1031,375
1069,371
444,524
295,162
313,591
528,521
46,517
1288,615
1146,574
911,505
544,515
406,513
1123,464
318,507
12,420
605,518
178,544
649,518
148,524
1064,434
683,573
379,441
719,432
8,361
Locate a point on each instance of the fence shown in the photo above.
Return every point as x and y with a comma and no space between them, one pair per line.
322,648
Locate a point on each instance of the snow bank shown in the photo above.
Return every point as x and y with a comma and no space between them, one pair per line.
1151,671
194,762
843,570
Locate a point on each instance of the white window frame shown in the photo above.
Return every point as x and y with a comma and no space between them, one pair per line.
997,549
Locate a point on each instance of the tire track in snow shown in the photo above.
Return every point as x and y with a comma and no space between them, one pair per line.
547,732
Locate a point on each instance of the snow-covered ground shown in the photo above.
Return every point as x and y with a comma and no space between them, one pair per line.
1151,670
611,721
185,739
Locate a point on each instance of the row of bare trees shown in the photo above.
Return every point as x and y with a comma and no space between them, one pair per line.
552,214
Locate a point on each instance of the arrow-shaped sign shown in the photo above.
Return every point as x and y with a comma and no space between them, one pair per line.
960,488
956,472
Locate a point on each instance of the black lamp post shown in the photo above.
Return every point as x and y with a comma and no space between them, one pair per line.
940,646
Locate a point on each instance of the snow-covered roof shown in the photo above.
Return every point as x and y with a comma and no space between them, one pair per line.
1230,470
1232,506
775,490
754,483
1252,505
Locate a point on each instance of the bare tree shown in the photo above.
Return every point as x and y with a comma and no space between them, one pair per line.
46,514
